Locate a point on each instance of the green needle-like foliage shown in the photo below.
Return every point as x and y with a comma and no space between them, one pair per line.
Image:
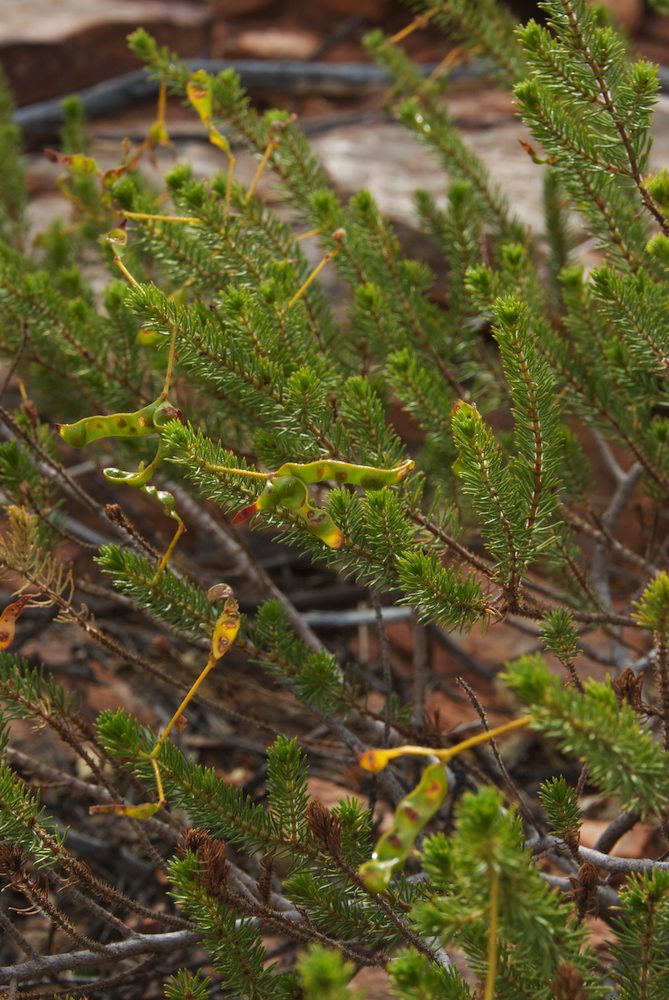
21,820
187,986
174,600
235,945
12,173
323,973
469,447
28,693
623,759
562,809
559,635
415,978
642,965
537,930
652,608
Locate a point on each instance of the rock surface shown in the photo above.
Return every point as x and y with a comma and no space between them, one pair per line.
48,49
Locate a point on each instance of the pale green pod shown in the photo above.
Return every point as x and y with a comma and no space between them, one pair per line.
165,498
148,420
366,476
284,491
140,478
198,91
293,494
411,817
164,413
320,524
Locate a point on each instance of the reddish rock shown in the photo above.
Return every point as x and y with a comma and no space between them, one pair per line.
237,8
633,844
276,43
627,13
47,50
374,983
347,8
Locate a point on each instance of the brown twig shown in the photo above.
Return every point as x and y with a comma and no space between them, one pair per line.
118,951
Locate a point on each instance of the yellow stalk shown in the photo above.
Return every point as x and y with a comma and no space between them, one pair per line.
169,371
269,149
189,220
181,527
312,277
491,974
420,21
125,272
162,104
159,782
211,663
376,759
246,473
228,185
453,58
308,234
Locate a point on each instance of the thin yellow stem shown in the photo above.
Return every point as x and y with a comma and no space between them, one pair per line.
169,371
125,272
489,734
189,220
453,58
181,527
312,277
228,185
159,781
493,922
420,21
269,149
211,663
376,759
245,473
309,233
162,103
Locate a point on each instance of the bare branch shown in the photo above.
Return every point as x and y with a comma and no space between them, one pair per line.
142,944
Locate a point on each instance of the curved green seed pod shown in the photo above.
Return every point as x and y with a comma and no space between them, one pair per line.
285,491
198,91
147,338
140,478
148,420
119,237
288,487
145,810
78,163
320,524
411,816
164,413
226,628
366,476
292,493
165,498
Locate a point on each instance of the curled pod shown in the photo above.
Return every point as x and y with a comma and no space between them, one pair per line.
198,91
411,817
284,491
226,628
366,476
148,420
320,524
163,497
141,477
8,620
